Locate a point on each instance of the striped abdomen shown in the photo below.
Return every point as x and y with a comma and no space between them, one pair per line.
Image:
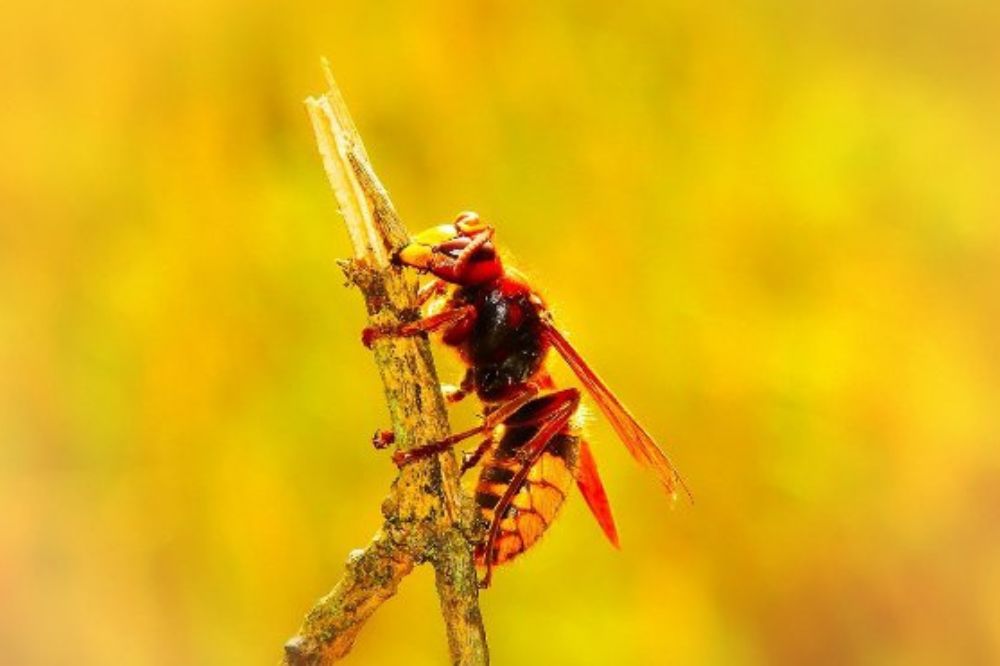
536,504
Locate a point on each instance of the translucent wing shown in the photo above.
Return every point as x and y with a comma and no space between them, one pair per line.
589,483
638,442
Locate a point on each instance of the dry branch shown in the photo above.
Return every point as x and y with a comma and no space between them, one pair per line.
427,517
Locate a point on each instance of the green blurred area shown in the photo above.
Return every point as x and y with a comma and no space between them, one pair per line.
772,226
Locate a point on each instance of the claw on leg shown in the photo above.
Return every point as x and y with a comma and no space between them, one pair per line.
383,438
368,336
453,394
458,393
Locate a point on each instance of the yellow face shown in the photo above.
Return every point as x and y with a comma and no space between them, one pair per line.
418,251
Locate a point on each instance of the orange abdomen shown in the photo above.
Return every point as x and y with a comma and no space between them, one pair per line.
540,497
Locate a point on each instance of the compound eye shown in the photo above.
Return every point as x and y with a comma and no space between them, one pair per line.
469,223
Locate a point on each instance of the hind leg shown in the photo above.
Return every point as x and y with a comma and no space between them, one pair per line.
490,421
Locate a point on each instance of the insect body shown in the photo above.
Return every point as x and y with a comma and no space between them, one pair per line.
533,449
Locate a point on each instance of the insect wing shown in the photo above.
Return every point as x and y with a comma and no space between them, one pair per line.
589,483
638,442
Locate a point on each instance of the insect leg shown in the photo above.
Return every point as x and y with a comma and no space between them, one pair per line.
453,394
435,287
553,414
444,318
490,421
502,411
472,459
433,448
383,438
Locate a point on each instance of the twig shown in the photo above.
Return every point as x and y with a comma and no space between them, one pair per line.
427,517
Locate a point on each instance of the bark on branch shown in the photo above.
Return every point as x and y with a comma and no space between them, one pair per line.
427,517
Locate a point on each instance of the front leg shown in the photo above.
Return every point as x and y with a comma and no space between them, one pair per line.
435,287
448,317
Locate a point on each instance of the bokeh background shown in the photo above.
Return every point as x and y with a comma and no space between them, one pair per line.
773,227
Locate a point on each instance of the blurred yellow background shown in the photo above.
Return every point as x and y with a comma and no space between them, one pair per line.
772,226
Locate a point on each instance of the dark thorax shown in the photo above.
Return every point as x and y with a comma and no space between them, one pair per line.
504,347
